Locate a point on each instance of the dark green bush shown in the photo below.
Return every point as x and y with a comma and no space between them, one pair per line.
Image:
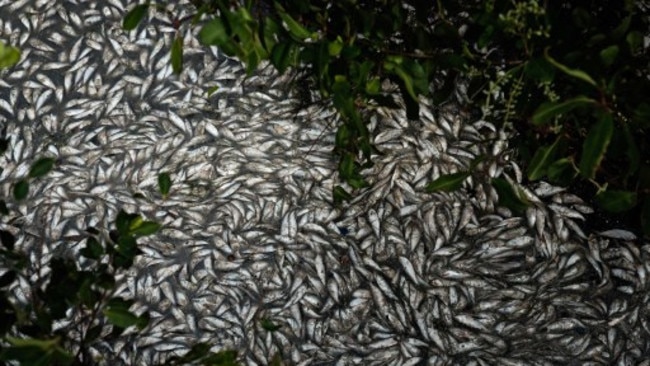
568,79
576,95
74,305
84,300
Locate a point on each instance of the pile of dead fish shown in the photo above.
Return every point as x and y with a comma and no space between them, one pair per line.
396,277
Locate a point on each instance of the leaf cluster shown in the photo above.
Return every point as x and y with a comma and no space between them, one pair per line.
348,49
74,305
567,78
79,293
582,113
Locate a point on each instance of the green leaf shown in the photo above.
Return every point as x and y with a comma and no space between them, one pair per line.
346,166
486,36
540,69
357,182
596,39
476,161
105,280
146,228
295,28
86,295
322,62
342,136
608,55
35,352
622,28
373,86
43,344
93,333
133,17
127,246
119,303
32,356
269,325
414,82
164,183
350,52
9,56
281,55
634,41
212,90
542,159
334,48
44,319
123,221
451,61
214,33
93,249
579,74
412,105
546,111
509,196
641,115
252,60
120,260
343,100
419,76
595,146
143,321
8,239
177,55
120,317
561,172
407,80
448,182
631,151
3,208
270,29
616,201
41,167
276,360
21,189
367,149
339,194
222,358
239,22
645,217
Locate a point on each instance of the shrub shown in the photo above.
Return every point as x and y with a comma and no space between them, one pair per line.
72,305
566,79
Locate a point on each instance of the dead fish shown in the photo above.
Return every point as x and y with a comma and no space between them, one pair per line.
413,277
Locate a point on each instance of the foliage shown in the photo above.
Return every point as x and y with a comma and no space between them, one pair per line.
576,103
73,304
9,55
